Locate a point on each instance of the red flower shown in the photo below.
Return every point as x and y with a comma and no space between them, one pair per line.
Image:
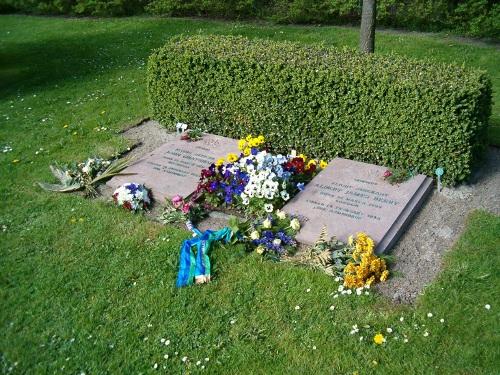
387,174
186,207
206,173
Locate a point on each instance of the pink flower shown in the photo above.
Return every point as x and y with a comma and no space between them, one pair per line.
387,174
177,201
186,207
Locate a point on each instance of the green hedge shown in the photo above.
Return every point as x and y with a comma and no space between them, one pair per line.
385,110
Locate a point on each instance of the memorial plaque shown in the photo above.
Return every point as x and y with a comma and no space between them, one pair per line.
350,197
174,168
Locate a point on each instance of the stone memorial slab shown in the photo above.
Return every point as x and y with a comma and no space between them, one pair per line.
350,197
174,168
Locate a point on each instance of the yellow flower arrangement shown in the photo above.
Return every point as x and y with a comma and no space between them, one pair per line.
219,162
245,144
366,268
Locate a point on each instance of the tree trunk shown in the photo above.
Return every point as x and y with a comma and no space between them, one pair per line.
367,33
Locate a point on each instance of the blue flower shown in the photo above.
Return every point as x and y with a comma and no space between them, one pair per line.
300,186
254,151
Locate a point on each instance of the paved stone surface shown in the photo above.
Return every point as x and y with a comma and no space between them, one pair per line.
350,196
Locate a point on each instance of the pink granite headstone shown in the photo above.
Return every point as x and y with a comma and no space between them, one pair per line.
174,168
349,197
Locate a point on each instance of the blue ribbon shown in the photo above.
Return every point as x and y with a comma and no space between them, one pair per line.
197,267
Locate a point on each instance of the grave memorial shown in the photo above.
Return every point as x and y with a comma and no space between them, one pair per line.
350,196
174,168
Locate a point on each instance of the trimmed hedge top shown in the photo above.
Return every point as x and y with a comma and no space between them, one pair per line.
387,110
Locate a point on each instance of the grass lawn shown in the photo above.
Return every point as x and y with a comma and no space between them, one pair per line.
86,287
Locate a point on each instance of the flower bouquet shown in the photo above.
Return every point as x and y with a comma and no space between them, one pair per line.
272,235
182,210
133,197
86,175
257,180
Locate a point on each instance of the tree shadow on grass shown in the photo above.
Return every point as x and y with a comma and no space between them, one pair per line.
28,66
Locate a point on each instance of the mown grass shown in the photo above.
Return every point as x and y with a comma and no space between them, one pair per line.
97,295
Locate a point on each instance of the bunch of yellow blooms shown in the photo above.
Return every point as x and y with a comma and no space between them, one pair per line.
366,267
245,144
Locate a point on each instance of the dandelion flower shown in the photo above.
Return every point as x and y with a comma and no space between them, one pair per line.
429,315
297,307
389,330
441,320
487,306
379,339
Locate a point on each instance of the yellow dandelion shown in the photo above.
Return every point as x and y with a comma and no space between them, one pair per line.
379,339
65,126
15,161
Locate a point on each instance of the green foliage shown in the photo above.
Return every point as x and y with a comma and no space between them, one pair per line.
76,7
472,17
385,110
480,18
